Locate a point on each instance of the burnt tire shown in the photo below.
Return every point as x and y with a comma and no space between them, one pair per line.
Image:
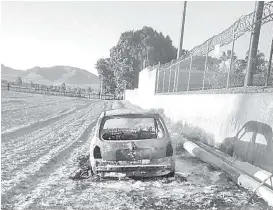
171,174
93,171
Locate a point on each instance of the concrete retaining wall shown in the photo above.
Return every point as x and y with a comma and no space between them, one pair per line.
239,124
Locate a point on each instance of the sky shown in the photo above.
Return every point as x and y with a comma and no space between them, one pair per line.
77,34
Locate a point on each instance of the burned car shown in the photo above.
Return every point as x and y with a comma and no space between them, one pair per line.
131,143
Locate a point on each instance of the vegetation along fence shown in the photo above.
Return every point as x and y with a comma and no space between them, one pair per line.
215,64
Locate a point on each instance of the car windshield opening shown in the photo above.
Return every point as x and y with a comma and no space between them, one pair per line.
132,128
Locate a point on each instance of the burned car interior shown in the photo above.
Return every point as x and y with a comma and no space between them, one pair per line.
131,129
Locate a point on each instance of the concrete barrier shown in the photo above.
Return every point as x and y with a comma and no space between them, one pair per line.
238,175
255,172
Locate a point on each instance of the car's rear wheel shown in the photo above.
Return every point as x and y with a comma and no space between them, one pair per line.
93,171
93,167
171,174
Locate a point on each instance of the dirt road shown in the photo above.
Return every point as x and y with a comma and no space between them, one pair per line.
42,139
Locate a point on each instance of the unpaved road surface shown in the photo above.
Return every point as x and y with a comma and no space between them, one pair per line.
42,140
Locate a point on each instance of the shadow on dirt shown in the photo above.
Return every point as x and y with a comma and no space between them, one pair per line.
164,179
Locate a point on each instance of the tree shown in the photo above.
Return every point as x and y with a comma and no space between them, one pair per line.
259,62
105,70
227,55
213,64
90,90
241,65
63,86
31,84
137,47
134,51
19,81
225,61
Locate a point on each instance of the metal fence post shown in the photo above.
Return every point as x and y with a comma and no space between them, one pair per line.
203,86
170,74
231,59
157,77
163,80
177,76
174,79
269,64
189,78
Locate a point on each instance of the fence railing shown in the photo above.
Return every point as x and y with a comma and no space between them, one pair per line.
198,70
48,91
189,76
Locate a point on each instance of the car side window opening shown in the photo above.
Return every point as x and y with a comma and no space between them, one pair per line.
241,133
132,128
245,135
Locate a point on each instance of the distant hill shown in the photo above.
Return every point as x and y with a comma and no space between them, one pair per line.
52,75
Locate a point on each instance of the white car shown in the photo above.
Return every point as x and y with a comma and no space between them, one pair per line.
131,143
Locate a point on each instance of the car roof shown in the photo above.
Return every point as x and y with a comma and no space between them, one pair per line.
126,112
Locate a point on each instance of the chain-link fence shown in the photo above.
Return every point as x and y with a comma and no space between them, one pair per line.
221,61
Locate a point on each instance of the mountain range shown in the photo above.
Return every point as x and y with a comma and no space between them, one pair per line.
52,76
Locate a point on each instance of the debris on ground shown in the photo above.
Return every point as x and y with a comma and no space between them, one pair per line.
84,171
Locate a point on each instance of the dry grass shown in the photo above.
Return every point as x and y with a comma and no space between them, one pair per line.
181,130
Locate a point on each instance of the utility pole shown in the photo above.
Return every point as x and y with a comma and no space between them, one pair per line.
101,86
179,53
269,64
254,42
